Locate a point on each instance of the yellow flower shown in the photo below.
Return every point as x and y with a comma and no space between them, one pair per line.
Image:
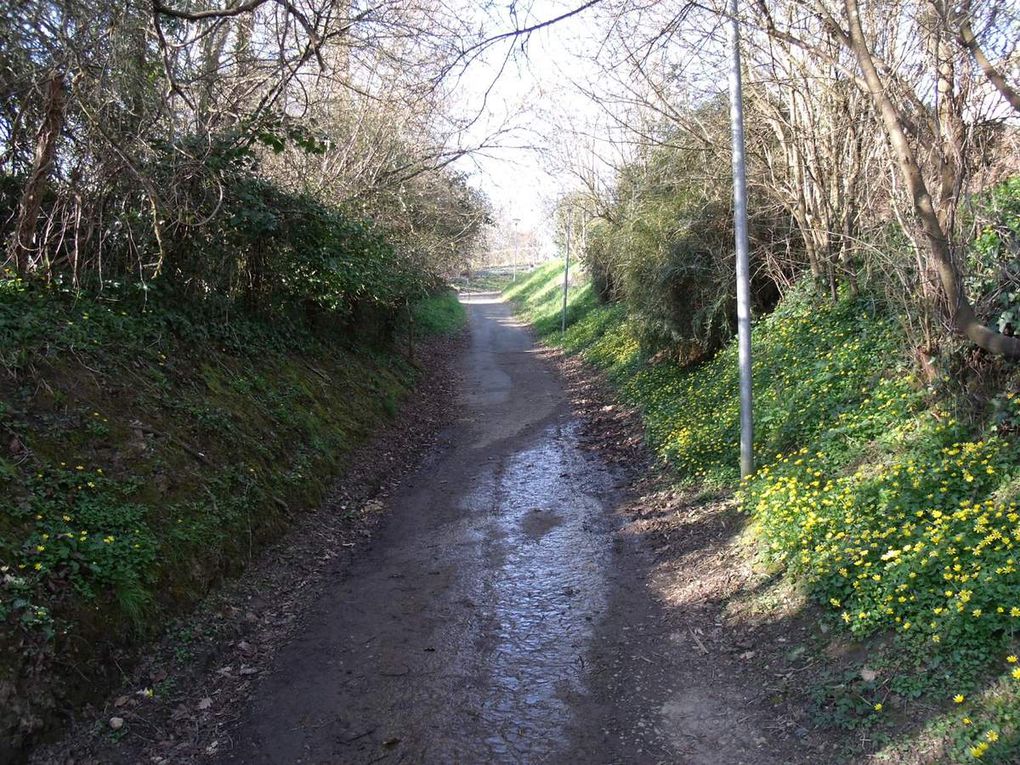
1011,659
878,707
958,698
1016,673
992,736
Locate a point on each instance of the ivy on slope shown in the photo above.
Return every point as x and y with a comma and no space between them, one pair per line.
814,379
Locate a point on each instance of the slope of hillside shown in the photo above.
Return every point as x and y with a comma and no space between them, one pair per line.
888,503
150,449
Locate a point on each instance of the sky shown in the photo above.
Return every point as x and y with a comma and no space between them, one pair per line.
541,89
531,92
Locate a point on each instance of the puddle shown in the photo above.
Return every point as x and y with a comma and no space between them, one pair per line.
542,589
538,523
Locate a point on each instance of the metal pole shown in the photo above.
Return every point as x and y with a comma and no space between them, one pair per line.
566,271
743,268
516,244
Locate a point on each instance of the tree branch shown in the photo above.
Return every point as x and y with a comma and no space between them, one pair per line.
967,39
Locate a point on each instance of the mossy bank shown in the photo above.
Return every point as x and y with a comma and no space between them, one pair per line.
149,449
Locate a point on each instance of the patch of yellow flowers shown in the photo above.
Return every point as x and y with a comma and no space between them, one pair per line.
914,542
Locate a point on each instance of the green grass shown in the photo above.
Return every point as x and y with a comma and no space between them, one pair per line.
897,515
440,314
811,365
487,280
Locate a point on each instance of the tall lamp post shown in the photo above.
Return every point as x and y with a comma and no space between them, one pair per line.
740,228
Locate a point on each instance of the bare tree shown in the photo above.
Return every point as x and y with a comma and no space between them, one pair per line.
930,130
159,107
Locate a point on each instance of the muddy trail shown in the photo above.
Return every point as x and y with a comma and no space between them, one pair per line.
501,613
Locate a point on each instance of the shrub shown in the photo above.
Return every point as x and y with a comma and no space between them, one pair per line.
666,250
916,540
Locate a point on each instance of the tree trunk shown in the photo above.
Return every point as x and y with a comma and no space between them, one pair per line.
961,311
23,241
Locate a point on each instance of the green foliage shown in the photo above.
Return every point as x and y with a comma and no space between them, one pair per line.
540,296
240,238
43,321
813,370
149,447
914,539
994,256
666,249
285,253
74,527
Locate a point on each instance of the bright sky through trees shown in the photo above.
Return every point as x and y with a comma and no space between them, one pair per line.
565,101
529,86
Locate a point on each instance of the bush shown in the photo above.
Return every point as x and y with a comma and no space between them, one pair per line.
287,254
233,235
667,251
814,378
150,448
994,257
917,540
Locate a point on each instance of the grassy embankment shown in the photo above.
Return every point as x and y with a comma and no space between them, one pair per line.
891,505
147,451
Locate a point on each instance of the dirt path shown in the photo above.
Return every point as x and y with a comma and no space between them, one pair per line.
462,633
501,612
531,590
